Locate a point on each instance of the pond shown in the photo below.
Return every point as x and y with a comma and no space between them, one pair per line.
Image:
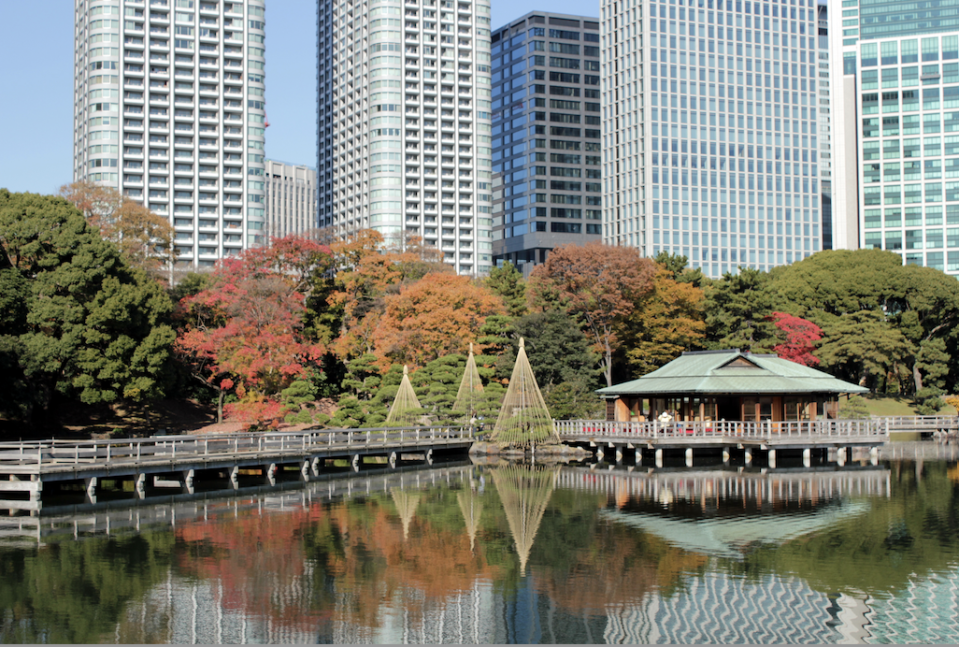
460,553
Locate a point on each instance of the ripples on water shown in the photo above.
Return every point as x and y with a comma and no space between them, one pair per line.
461,554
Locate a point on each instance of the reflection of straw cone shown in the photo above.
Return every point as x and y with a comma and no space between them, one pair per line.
524,492
406,503
472,507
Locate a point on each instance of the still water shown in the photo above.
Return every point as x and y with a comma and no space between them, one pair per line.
461,554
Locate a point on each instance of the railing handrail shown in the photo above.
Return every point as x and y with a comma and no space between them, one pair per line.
765,429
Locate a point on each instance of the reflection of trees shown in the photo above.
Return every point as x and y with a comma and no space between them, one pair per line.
912,533
75,591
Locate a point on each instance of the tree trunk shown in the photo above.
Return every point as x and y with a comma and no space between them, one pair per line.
609,366
219,407
917,376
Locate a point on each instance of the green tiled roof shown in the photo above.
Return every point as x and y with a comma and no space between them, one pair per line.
719,372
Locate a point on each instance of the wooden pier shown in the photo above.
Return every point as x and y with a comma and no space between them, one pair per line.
176,461
767,437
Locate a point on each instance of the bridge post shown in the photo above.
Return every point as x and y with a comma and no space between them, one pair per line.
659,457
841,456
619,454
356,462
188,481
270,473
305,471
689,457
392,459
807,457
429,456
771,458
874,455
599,453
235,477
140,485
749,456
639,455
90,485
725,455
315,465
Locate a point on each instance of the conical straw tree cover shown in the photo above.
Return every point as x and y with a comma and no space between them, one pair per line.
524,418
406,410
524,492
470,388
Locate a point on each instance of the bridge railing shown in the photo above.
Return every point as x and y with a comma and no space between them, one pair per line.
722,428
66,452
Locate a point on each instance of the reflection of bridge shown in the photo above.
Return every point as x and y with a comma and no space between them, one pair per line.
722,484
175,461
66,522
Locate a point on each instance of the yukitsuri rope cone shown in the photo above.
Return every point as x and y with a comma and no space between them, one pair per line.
472,507
470,388
406,503
524,418
405,410
525,492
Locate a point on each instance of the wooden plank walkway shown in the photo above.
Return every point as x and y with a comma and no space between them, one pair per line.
25,466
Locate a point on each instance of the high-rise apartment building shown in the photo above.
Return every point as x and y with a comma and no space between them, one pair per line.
403,123
709,130
896,130
290,199
169,109
824,110
547,165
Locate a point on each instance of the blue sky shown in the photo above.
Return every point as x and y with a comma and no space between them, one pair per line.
36,144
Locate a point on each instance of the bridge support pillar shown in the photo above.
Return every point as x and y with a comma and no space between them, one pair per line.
188,481
874,455
807,457
356,462
305,471
725,455
619,454
749,456
270,473
429,456
392,459
841,456
771,458
90,485
599,454
689,457
140,486
235,477
639,455
315,466
659,458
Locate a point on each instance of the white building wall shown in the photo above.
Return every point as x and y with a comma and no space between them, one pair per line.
169,109
403,129
290,199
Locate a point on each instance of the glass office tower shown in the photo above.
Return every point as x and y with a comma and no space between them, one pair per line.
710,146
900,70
547,170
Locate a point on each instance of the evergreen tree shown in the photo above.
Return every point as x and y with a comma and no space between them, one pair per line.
507,282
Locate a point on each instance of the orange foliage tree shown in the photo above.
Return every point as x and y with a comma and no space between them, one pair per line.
245,331
144,238
599,283
438,315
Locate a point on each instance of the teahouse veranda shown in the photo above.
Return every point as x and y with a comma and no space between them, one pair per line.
728,385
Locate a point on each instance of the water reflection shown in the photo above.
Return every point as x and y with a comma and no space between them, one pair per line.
504,554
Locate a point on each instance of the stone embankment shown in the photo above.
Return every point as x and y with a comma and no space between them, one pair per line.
547,453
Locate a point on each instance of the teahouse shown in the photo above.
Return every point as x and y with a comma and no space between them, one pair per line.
728,385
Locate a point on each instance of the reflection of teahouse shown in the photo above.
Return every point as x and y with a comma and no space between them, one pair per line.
728,385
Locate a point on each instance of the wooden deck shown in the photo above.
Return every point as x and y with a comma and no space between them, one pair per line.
174,461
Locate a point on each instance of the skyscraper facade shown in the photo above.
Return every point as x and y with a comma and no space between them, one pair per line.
824,110
547,130
169,109
403,123
710,147
898,135
290,199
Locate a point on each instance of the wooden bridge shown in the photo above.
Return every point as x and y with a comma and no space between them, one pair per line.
176,461
728,436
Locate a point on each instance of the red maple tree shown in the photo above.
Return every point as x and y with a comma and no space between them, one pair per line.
799,337
245,331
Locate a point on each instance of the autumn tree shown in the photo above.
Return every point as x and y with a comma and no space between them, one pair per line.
599,283
668,320
798,338
435,316
245,331
144,238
